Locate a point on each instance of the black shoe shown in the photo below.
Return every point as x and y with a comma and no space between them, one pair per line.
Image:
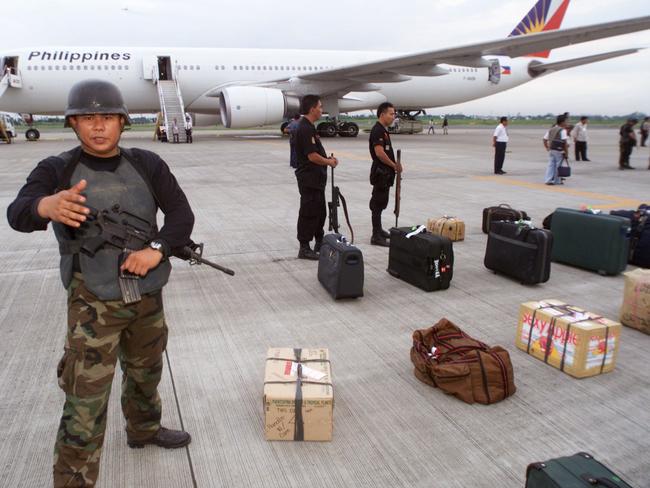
500,172
318,244
307,253
587,160
629,167
384,234
378,240
167,438
549,183
622,167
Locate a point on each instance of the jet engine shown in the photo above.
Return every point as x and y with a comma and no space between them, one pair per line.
250,106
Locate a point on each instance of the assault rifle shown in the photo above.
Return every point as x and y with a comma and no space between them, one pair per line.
337,197
123,230
398,186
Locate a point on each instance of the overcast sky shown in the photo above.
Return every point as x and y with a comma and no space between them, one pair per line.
617,86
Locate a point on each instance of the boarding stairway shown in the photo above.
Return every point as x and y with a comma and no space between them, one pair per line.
172,107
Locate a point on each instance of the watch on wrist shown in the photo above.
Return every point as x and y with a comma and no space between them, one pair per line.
157,246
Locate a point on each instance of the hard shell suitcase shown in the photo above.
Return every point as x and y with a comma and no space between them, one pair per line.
340,267
592,241
425,260
519,251
577,471
502,211
451,227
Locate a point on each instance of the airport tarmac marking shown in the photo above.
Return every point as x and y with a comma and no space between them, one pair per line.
617,201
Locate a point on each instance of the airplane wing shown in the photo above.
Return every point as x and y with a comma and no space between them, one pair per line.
541,68
401,67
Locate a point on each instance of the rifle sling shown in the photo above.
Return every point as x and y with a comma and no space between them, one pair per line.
347,217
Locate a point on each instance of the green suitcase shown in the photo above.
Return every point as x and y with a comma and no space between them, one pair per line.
578,471
598,242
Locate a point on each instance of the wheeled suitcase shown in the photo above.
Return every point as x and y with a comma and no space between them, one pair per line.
425,260
639,236
502,211
451,227
340,267
519,251
577,471
592,241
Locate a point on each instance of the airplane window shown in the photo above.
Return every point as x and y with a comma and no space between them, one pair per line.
223,67
113,67
119,67
85,67
234,67
79,68
241,67
64,67
126,67
29,68
198,67
184,66
192,67
246,68
106,67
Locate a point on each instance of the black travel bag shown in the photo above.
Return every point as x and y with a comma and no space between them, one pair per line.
501,212
564,171
639,236
577,471
425,260
519,251
340,267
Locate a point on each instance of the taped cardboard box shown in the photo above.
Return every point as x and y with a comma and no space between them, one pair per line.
569,338
298,395
635,311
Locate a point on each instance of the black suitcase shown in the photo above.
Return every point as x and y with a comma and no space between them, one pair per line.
502,211
577,471
519,251
340,267
639,236
425,260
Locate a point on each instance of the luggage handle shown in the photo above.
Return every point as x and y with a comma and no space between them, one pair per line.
504,205
599,481
353,259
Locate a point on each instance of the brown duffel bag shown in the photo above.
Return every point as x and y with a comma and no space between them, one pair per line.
447,358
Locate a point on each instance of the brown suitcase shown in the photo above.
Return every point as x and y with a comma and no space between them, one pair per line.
447,358
450,227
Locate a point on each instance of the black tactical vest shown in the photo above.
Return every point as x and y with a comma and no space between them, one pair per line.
125,187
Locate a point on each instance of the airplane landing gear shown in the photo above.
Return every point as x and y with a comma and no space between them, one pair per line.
32,134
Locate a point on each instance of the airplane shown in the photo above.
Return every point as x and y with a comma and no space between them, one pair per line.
254,87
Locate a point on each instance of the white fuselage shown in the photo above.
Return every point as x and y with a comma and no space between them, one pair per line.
48,73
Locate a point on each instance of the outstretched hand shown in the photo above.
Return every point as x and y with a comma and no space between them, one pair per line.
65,206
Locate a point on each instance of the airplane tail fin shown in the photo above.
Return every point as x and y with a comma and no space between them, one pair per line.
539,19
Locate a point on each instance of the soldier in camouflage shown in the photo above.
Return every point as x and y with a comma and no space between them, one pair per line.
101,327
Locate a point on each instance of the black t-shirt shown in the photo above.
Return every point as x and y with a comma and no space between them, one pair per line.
307,141
626,130
379,137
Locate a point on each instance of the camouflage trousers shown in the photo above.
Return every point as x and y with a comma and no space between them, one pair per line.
100,332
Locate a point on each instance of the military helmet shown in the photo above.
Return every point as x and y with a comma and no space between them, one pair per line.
95,97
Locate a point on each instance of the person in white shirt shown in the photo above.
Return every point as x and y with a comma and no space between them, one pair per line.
499,142
188,128
579,136
555,143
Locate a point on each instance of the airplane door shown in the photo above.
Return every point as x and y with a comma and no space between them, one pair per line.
494,71
150,67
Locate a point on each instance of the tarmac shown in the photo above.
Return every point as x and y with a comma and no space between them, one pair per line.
390,430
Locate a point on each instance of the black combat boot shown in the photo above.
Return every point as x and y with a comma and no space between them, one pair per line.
305,252
318,244
167,438
384,234
378,240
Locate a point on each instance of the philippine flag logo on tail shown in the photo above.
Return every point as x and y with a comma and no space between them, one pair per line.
546,15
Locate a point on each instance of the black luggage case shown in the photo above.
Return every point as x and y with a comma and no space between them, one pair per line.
340,267
577,471
425,260
519,251
640,235
502,211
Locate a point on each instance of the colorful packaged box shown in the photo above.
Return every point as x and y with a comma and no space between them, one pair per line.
575,341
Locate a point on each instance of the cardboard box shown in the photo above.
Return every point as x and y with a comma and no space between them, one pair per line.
569,338
300,376
635,311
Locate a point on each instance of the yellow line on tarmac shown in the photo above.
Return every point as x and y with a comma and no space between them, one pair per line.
616,201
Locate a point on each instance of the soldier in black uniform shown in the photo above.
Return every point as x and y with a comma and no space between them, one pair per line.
382,171
312,178
102,326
